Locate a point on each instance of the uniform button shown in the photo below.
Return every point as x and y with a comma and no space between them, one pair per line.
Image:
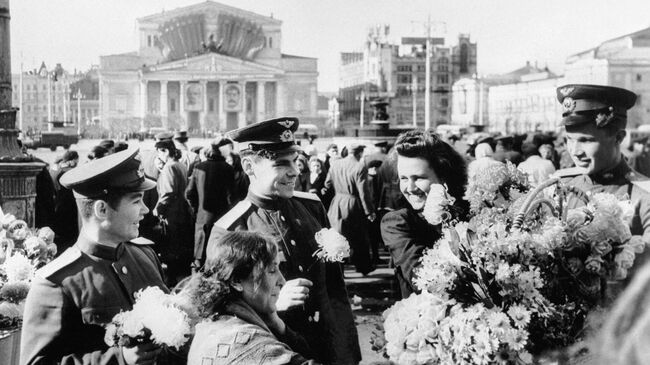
135,295
125,270
293,243
282,218
300,268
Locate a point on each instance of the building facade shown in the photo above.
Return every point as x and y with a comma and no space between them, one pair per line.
623,62
397,74
38,105
206,67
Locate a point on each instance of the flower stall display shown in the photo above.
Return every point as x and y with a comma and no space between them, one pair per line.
156,316
22,252
520,278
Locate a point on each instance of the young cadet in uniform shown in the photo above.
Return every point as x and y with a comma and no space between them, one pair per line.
594,119
314,301
74,296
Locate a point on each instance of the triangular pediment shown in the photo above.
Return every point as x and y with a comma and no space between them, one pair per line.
215,63
208,7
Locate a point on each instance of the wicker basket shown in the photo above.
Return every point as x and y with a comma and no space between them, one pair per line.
10,347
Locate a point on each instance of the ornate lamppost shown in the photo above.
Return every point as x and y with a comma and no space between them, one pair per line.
17,170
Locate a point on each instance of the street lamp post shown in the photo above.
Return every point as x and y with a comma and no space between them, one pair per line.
78,95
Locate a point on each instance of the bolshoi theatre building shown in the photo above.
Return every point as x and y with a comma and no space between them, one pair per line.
205,67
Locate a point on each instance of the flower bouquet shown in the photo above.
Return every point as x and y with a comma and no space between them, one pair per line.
519,278
156,316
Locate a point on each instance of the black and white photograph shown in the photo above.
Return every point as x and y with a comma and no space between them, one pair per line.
371,182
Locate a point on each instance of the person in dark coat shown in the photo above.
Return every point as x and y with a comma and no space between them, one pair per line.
209,192
75,296
174,212
316,181
314,301
303,176
351,208
66,221
332,153
423,159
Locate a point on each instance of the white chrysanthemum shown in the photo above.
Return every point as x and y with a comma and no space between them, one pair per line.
333,247
519,315
18,268
435,209
34,246
132,324
46,234
6,220
169,326
150,297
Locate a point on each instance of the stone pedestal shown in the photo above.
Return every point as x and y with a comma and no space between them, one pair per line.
18,189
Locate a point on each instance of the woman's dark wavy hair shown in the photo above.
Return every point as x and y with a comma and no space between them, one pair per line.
234,257
448,164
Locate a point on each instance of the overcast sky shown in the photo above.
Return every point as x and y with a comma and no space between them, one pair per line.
508,32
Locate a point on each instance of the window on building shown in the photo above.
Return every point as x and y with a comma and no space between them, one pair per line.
211,105
464,58
404,68
120,103
172,105
149,41
638,77
443,79
270,42
404,79
444,102
421,67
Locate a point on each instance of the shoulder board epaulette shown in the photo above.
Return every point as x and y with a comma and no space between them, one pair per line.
643,185
142,241
68,256
569,172
233,214
304,195
635,176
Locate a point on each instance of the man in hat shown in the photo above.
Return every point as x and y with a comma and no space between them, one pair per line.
352,208
73,297
314,301
188,158
594,119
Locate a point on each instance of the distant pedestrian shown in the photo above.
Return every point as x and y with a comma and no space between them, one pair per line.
538,169
483,153
352,209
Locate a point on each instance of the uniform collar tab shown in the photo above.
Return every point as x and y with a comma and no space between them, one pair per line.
97,249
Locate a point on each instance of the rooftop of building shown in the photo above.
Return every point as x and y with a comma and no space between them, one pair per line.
639,39
201,8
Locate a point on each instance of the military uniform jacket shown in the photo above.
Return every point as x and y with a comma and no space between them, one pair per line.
407,235
622,182
74,296
326,320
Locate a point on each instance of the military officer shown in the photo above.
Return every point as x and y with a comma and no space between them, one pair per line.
594,119
74,296
314,301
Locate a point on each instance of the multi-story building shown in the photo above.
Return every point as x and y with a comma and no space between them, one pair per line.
37,106
527,100
84,94
397,74
624,62
206,66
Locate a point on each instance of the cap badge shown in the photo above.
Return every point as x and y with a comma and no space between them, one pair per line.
137,157
140,172
569,105
286,136
286,123
566,90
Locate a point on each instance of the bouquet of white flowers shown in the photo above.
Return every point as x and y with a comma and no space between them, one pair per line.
156,316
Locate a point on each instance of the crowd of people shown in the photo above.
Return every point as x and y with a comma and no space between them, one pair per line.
235,231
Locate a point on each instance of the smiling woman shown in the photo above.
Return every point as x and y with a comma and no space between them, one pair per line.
236,292
423,160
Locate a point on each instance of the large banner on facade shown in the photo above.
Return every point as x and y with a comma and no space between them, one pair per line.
193,97
232,101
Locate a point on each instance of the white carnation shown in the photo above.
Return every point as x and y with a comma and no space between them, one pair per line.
18,268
